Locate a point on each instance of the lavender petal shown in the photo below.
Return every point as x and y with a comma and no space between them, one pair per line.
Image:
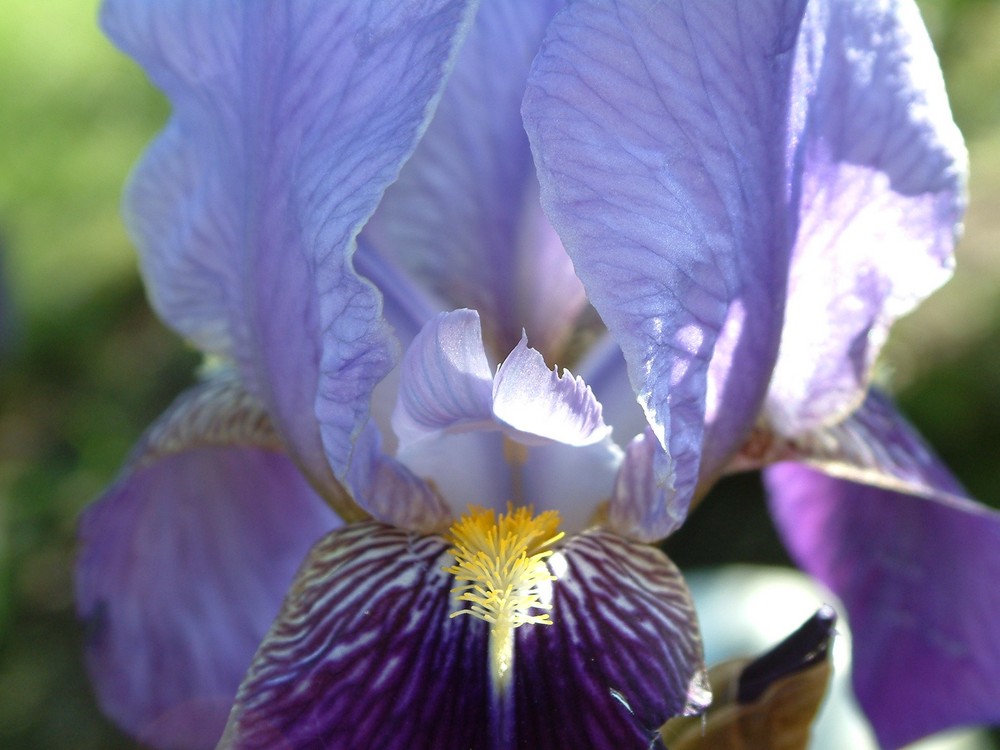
246,209
184,561
882,169
445,380
659,135
464,219
535,401
918,578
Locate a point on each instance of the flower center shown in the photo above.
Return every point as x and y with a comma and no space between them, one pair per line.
501,561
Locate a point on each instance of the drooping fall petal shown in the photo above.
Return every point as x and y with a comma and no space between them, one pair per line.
918,578
365,653
623,653
183,564
875,445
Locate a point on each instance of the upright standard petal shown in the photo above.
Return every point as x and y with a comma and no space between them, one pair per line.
279,148
464,218
183,564
918,579
882,169
659,131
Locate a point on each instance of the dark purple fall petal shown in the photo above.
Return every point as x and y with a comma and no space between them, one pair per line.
883,172
919,580
660,133
246,209
365,655
464,219
622,656
182,566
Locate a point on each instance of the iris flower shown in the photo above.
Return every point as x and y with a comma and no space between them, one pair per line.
390,224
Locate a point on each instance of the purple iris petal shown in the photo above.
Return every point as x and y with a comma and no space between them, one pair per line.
455,423
875,445
279,148
883,191
183,564
446,385
576,481
603,368
659,132
446,381
390,491
365,653
919,581
405,306
536,401
641,507
622,656
464,218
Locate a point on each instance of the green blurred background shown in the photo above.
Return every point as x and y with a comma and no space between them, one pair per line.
84,366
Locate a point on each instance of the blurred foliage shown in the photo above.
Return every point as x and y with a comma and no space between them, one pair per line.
84,365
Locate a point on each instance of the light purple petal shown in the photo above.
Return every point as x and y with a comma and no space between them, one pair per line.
659,132
466,468
445,380
577,482
279,148
622,656
875,445
405,306
883,191
919,580
365,655
641,507
464,218
182,566
536,401
390,492
603,368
